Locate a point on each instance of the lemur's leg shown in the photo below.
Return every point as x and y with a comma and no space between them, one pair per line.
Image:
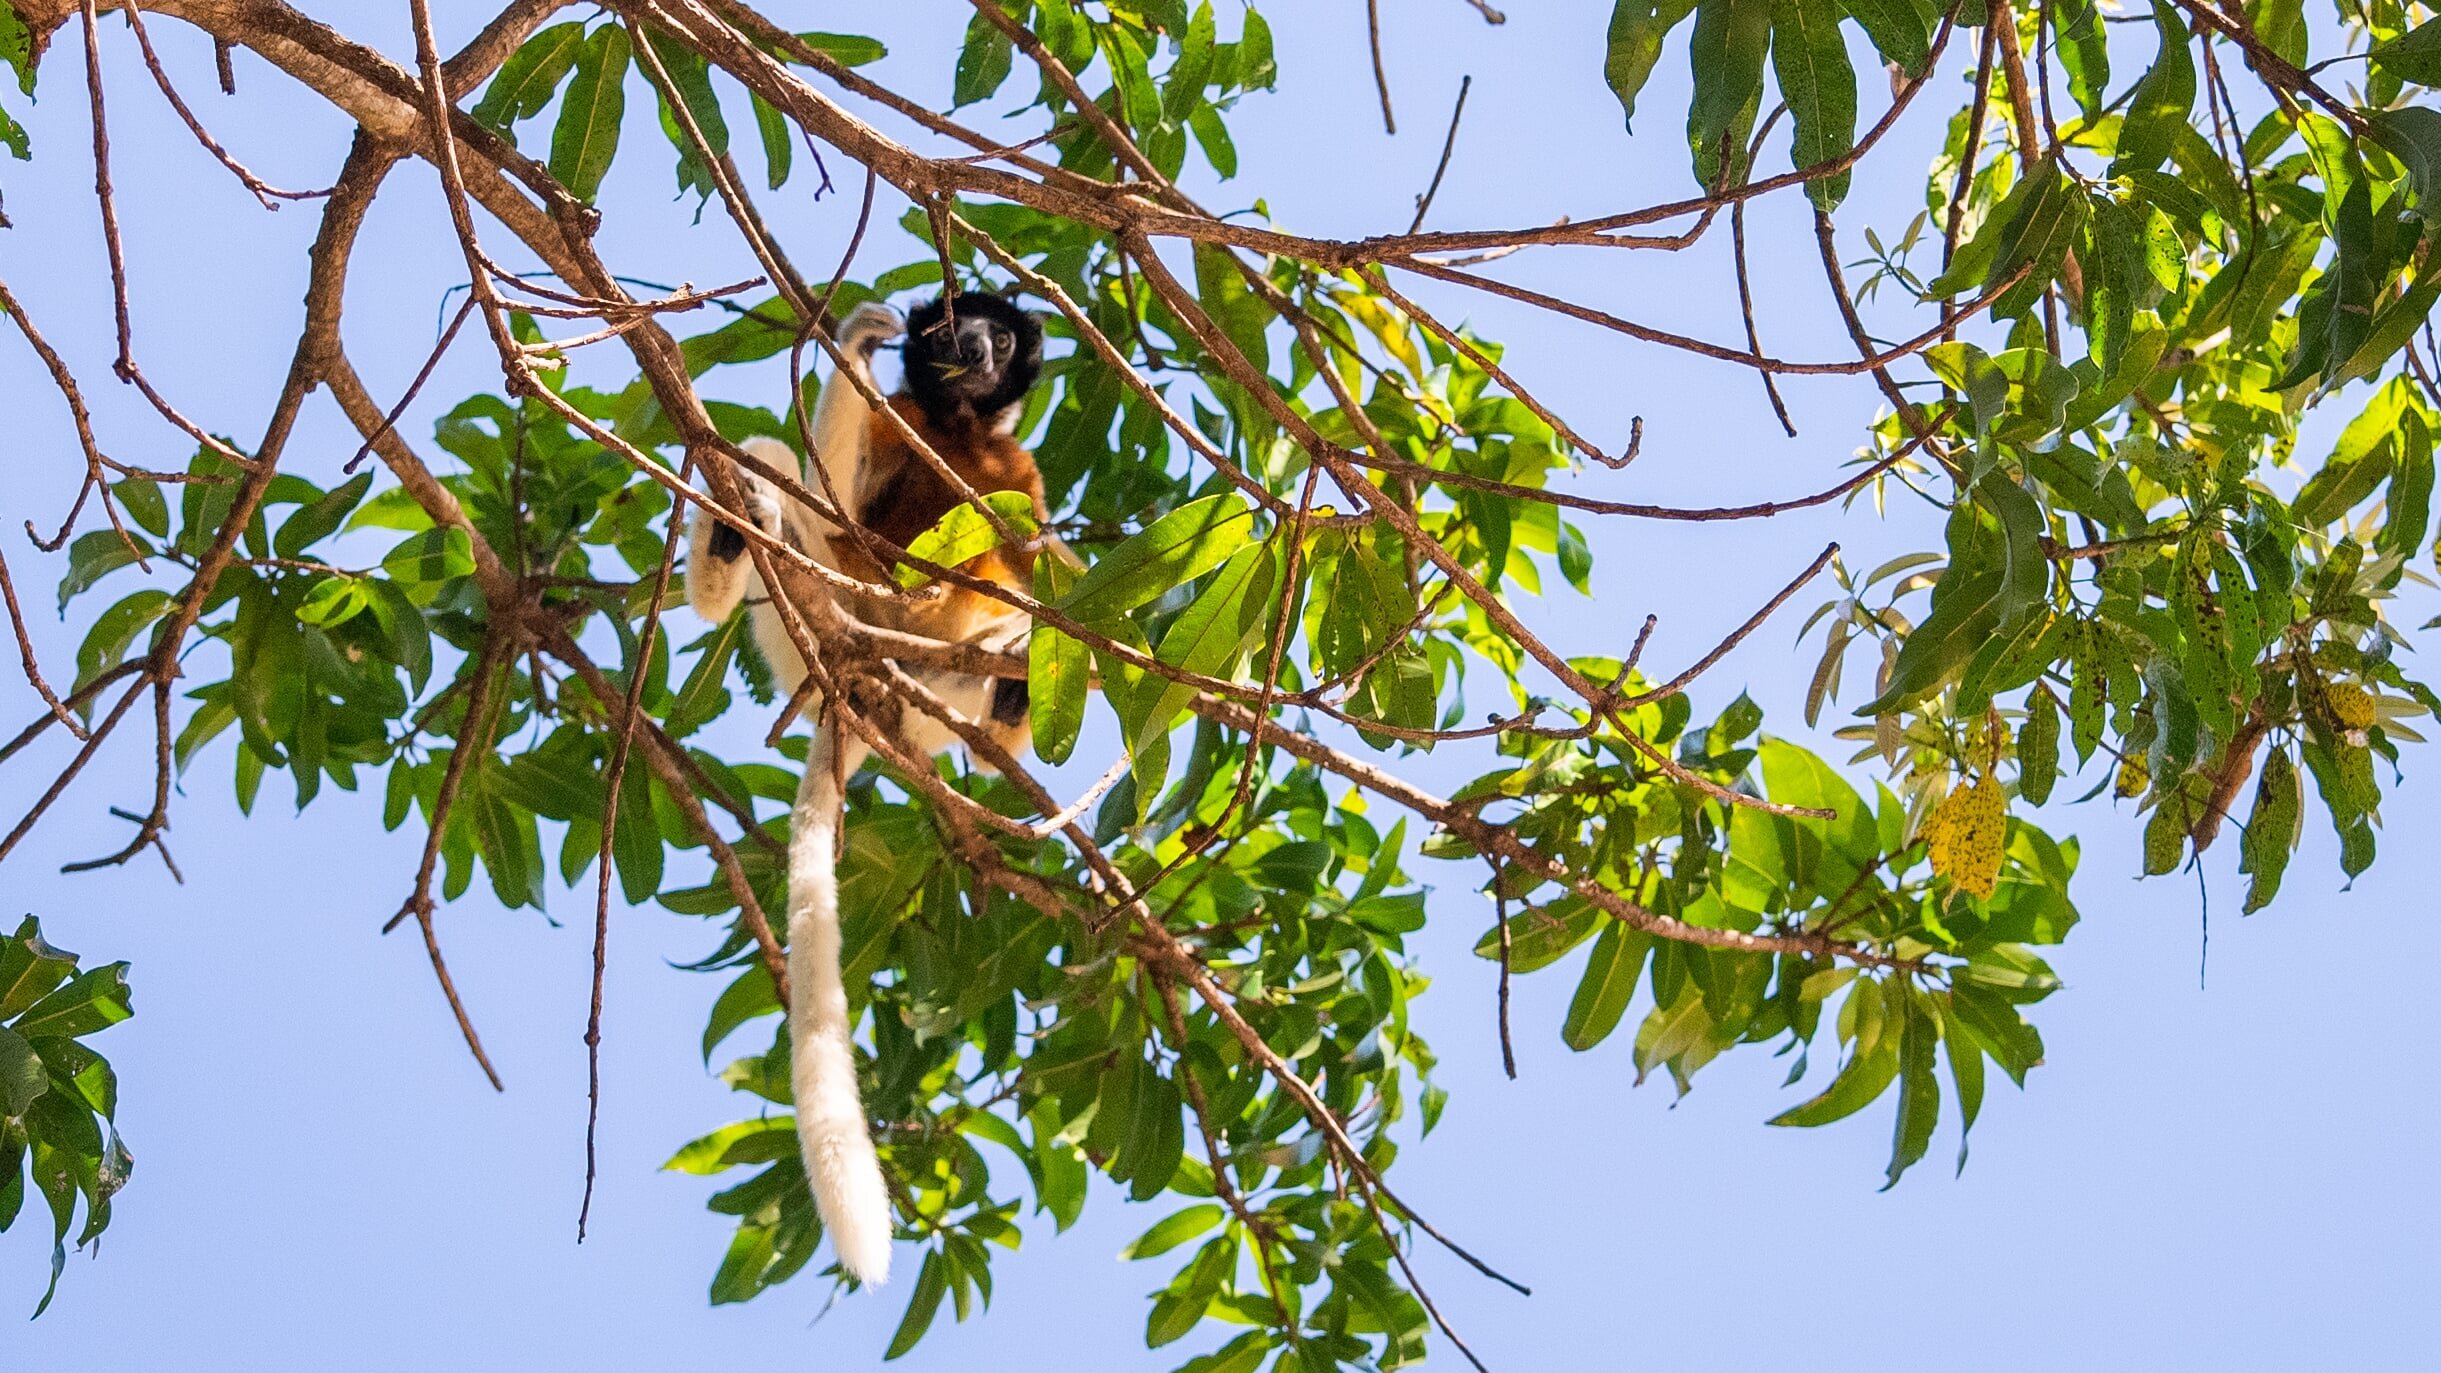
719,572
1000,705
1009,712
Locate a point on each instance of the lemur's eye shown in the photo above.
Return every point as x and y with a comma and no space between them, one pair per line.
1003,340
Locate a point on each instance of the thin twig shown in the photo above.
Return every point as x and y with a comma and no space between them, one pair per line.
432,361
1737,636
25,654
637,671
1381,74
1449,144
1500,913
473,739
263,191
1754,340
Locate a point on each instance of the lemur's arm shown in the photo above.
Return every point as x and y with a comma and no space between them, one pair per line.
841,417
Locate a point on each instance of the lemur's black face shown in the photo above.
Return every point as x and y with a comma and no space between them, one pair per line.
976,354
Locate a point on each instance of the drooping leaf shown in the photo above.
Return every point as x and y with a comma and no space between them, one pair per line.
1810,58
1637,30
526,82
1732,37
587,135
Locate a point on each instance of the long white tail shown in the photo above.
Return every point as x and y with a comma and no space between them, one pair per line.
831,1125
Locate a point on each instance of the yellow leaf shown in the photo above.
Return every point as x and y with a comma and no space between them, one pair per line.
1965,836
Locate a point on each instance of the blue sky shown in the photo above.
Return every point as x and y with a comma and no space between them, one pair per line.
2227,1177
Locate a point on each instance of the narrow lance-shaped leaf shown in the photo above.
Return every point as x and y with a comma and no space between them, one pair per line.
587,135
2163,100
1177,548
1898,30
1811,60
2414,55
1637,28
1056,673
1609,984
1919,1090
2273,827
531,76
1732,37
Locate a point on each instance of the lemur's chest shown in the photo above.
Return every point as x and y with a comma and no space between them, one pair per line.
904,495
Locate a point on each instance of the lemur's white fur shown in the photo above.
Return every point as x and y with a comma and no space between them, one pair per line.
833,1131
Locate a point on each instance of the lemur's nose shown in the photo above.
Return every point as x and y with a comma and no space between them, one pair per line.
974,342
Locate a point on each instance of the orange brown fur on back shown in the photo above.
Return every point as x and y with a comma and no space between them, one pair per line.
904,496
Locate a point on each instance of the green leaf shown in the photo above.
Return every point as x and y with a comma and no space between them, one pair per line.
922,1305
434,556
316,522
2038,242
30,966
1996,1027
2272,830
96,554
635,841
1919,1090
1609,984
22,1077
114,631
2414,55
334,601
1213,137
1057,673
747,1141
750,995
779,143
1965,1074
847,49
1868,1071
85,1003
1984,595
402,623
2163,100
2029,215
1190,1294
1637,29
1538,939
984,62
1183,88
1810,59
691,77
2281,25
531,76
1174,1230
587,136
1255,65
2086,58
1139,99
1209,635
2413,135
1898,30
1732,37
1176,549
963,534
2038,748
142,498
17,48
